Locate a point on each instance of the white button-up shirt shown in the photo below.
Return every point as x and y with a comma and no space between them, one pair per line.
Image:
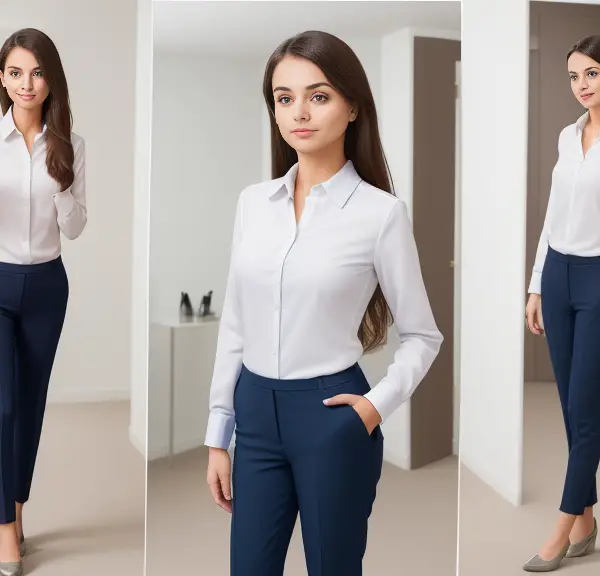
572,223
33,210
296,294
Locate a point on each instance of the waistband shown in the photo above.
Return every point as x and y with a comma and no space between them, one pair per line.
55,264
571,258
320,382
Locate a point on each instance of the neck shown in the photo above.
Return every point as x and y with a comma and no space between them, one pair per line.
28,121
317,168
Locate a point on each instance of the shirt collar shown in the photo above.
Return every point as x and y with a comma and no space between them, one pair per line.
7,126
582,121
339,187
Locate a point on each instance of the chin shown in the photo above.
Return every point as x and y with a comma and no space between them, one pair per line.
308,147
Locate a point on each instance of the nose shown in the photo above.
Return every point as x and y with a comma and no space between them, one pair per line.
300,110
27,82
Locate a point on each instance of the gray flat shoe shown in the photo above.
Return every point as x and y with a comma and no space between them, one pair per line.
11,569
585,546
536,564
22,546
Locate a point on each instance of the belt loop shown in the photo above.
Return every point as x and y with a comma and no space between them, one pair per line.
321,383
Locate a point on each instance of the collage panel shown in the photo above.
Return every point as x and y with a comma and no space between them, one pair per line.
72,484
529,373
286,270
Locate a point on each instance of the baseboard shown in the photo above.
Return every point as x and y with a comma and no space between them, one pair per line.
397,460
84,396
138,443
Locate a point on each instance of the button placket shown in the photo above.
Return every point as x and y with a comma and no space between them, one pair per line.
279,288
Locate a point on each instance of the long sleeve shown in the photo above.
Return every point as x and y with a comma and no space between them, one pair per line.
399,272
228,359
71,203
535,285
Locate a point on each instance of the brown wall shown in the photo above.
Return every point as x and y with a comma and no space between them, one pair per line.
433,220
552,106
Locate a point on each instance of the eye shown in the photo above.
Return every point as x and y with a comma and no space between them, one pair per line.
38,73
592,73
284,100
320,97
573,77
14,73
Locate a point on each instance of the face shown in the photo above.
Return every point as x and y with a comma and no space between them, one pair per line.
585,79
24,80
310,114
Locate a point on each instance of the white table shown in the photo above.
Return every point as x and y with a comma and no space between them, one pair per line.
181,363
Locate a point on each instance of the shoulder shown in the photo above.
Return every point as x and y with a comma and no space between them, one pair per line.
380,203
569,134
78,142
260,190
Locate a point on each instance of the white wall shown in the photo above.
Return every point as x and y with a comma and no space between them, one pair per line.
206,136
493,241
140,289
93,361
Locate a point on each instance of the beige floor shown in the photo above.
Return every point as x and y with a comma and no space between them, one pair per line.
497,538
86,514
412,530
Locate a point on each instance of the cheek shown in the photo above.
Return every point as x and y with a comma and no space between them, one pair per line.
41,87
335,120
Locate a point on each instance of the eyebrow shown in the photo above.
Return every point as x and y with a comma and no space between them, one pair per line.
310,87
587,69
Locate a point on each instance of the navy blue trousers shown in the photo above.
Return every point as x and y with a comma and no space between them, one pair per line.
33,302
295,455
571,311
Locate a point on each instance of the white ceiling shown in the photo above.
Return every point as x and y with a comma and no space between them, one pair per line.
255,28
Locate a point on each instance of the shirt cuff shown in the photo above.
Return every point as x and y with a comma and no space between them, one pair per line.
535,286
219,430
384,397
64,202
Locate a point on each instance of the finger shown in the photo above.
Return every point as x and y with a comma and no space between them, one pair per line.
226,486
339,399
218,498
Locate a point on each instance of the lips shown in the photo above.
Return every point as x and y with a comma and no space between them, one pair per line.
302,131
587,96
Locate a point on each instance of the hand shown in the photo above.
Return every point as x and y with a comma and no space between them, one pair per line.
533,314
367,412
218,477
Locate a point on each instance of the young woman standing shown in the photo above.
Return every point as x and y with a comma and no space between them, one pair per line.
42,193
565,292
323,260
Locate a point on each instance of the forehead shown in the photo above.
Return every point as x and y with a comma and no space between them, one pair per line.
21,58
297,73
579,62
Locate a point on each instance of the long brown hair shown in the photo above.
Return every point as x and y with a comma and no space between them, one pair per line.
56,110
362,143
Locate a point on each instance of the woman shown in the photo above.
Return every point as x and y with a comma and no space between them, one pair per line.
321,255
42,193
567,274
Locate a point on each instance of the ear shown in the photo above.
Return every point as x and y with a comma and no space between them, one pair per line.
353,112
2,79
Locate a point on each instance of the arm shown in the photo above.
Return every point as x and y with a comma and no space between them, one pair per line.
228,359
399,273
535,285
71,203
